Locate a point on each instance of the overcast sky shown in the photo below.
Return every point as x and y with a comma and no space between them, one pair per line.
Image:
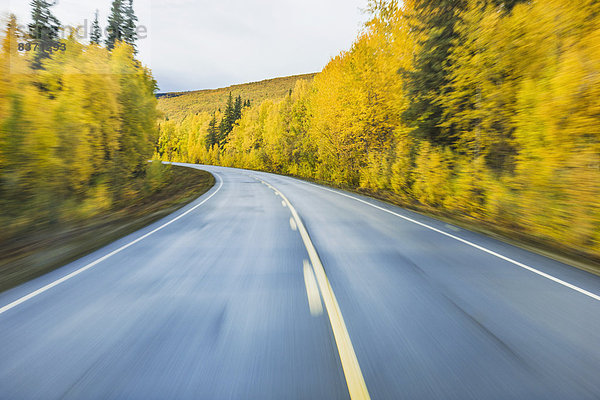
210,44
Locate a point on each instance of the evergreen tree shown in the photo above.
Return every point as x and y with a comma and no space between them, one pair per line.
129,23
227,122
503,97
212,133
43,30
115,24
237,109
96,34
434,22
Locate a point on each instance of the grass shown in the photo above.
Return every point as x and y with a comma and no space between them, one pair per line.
177,105
28,256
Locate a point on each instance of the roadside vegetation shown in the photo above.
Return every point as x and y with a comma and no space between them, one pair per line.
33,252
78,124
484,111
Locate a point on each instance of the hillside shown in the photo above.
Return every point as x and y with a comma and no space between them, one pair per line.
177,105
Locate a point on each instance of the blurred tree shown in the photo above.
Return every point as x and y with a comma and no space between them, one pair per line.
130,24
116,24
494,116
43,30
480,97
138,113
433,23
96,34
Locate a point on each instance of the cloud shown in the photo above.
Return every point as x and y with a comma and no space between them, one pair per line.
209,44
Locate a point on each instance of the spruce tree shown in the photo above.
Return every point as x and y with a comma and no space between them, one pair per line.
43,30
122,24
115,24
96,34
129,24
227,122
212,133
237,109
434,20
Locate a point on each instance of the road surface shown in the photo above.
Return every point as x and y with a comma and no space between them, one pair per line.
268,287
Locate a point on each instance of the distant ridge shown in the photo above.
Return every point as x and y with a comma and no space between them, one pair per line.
176,105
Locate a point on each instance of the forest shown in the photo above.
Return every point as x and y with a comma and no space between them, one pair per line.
178,105
484,110
78,121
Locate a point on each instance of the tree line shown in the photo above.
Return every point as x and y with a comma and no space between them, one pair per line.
199,135
487,110
45,29
77,126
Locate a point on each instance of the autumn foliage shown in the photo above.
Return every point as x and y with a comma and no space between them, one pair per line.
75,131
487,110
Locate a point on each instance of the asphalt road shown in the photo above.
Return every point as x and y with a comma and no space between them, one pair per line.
225,299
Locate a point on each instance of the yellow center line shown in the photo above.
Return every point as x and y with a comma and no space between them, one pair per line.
293,224
312,291
354,377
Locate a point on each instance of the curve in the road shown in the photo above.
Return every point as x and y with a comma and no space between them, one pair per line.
357,387
213,304
107,256
468,243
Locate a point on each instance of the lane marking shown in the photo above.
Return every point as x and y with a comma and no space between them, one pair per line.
355,381
293,224
103,258
283,203
312,291
468,243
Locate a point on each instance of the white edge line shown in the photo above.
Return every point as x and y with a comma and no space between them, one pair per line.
112,253
491,252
